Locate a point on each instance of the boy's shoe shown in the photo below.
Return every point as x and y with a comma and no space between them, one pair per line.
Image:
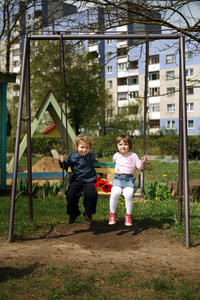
112,219
71,219
88,219
55,154
128,220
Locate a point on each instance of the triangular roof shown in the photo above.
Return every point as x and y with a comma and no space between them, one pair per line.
50,104
52,125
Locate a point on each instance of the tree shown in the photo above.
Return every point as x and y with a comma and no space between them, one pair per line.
175,15
85,89
128,119
86,92
14,24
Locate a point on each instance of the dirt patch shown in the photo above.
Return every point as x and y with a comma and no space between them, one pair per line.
102,245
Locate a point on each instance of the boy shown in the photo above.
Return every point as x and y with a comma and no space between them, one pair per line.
83,175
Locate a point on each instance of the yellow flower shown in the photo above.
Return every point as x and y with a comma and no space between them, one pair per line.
164,175
156,198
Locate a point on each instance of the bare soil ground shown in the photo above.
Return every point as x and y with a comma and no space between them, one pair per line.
105,247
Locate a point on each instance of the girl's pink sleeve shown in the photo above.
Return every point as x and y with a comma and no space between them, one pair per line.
138,163
114,157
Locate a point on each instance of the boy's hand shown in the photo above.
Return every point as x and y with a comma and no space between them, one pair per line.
143,159
62,158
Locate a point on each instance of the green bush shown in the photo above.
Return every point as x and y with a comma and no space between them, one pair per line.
40,144
104,146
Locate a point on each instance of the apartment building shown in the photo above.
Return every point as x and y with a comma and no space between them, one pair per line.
124,68
124,73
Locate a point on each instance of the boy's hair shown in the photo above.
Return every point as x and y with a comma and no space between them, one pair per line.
83,138
124,138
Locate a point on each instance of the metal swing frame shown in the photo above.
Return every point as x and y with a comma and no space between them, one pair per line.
183,146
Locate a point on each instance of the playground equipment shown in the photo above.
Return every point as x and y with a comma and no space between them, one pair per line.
5,78
183,149
50,104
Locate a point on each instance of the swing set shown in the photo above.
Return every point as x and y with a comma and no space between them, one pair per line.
25,82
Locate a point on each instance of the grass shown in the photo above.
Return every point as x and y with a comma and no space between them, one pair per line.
52,282
52,210
23,160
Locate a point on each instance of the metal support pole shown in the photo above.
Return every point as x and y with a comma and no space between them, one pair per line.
145,104
61,101
17,143
185,146
180,171
3,134
65,96
28,119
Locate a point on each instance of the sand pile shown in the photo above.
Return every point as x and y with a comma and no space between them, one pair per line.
47,164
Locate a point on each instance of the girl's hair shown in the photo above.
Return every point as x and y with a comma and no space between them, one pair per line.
83,138
124,138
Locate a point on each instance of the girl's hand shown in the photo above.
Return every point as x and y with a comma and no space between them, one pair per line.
62,158
143,159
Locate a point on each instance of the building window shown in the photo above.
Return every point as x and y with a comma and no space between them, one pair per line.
110,99
154,91
16,64
16,52
154,59
109,84
122,110
122,51
170,75
122,81
154,123
170,108
92,42
122,96
133,65
154,107
189,72
189,90
170,91
93,26
109,112
122,67
133,80
154,75
108,42
189,55
190,107
133,94
170,59
109,70
170,124
108,55
190,124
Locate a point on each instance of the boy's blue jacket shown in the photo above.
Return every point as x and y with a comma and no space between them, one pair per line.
81,166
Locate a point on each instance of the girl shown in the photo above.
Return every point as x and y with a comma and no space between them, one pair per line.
124,180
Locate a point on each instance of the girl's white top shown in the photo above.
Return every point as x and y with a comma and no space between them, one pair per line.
126,164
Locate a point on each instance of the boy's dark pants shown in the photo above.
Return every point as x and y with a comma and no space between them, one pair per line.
73,194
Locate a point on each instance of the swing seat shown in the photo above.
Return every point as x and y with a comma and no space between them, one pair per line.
107,170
